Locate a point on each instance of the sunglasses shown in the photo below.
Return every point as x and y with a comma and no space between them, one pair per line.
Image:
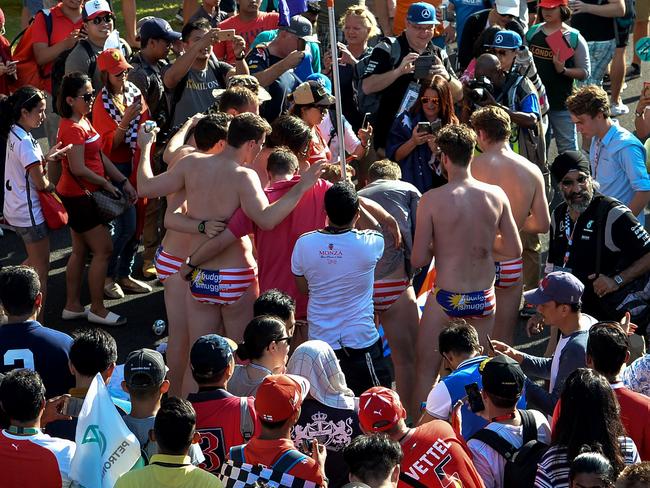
287,338
581,180
121,74
105,19
427,100
88,97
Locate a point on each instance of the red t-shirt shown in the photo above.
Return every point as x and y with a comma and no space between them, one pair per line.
267,452
274,247
318,148
218,420
248,30
5,55
434,456
71,132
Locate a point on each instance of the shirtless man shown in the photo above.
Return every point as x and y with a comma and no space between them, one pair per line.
209,137
523,183
462,223
214,191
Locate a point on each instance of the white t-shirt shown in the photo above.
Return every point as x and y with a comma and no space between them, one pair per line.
489,463
339,269
21,207
586,321
352,142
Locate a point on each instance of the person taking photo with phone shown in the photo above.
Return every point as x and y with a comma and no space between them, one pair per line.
411,141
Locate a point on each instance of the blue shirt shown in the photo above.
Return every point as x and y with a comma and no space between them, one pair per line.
30,345
452,388
463,9
618,165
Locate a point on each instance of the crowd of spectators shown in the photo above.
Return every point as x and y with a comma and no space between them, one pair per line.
332,324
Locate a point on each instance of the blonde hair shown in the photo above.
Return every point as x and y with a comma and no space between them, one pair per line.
369,19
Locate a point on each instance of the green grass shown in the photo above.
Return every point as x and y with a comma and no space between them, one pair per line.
157,8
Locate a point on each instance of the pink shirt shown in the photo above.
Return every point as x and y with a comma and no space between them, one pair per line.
274,247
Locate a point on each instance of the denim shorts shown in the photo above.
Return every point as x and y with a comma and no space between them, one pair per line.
600,53
32,234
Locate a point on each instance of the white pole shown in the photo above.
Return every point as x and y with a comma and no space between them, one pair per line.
337,86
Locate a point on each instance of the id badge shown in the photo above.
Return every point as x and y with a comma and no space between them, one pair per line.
410,96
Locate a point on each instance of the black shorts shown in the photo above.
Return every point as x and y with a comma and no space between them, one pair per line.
623,35
365,368
82,213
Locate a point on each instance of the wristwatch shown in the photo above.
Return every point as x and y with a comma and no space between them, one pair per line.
201,227
187,261
618,279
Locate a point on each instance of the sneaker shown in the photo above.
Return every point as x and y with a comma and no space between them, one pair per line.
619,109
113,291
633,71
131,285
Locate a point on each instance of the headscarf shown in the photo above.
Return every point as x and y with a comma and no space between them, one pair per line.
316,361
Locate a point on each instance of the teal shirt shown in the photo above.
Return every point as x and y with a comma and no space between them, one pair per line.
267,36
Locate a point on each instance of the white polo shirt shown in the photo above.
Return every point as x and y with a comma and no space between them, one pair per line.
21,205
339,269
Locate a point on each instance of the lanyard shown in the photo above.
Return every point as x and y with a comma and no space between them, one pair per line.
13,429
599,146
260,368
569,236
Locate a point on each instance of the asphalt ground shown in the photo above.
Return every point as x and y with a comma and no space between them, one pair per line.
142,310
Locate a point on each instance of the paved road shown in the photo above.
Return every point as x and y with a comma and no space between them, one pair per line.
143,310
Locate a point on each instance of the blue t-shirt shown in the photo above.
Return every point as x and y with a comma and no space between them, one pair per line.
30,345
454,384
465,8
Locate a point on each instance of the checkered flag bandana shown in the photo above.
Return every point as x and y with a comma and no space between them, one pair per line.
241,475
130,92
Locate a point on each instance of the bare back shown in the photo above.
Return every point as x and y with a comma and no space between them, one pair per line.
465,217
212,194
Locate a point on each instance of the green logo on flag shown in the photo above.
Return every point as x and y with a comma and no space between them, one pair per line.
93,434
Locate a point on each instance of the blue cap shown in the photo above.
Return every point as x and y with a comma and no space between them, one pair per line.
506,39
156,28
211,354
323,80
422,13
558,286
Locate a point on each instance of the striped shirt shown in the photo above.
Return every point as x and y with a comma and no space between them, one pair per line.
553,469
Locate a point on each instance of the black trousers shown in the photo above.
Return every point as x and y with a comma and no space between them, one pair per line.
365,368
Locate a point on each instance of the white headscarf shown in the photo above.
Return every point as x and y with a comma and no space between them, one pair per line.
316,361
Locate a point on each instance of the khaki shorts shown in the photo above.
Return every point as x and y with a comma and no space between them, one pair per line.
642,10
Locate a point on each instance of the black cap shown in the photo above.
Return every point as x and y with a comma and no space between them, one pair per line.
144,368
211,354
569,161
301,27
502,377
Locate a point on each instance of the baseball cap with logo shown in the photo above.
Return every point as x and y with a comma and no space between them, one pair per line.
93,8
311,92
506,39
558,286
508,7
301,27
502,376
422,13
211,354
280,396
144,368
553,3
380,409
112,60
155,28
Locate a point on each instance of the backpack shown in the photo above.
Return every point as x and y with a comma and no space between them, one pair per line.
236,472
521,464
58,69
30,72
572,35
370,103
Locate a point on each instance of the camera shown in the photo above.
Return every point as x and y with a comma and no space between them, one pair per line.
479,89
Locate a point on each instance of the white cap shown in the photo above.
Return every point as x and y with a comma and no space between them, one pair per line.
508,7
93,8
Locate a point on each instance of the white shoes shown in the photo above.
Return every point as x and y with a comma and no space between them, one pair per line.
619,109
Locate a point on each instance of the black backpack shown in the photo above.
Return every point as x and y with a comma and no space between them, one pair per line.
521,464
58,69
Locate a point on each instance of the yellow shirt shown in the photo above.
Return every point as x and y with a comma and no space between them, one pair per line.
168,477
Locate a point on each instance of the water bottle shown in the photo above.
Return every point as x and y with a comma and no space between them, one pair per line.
159,327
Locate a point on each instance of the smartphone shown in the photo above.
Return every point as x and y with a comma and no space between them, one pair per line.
490,345
474,398
302,44
306,446
226,35
424,127
72,406
423,65
646,89
443,12
366,120
11,63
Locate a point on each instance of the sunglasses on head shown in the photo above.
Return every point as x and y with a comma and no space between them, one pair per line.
88,97
105,19
427,100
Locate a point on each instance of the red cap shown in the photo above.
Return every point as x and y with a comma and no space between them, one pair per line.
2,17
112,60
280,396
553,3
380,409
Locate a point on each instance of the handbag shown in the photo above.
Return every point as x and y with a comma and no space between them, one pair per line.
53,210
108,205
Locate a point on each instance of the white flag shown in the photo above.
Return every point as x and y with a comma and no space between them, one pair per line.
106,448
